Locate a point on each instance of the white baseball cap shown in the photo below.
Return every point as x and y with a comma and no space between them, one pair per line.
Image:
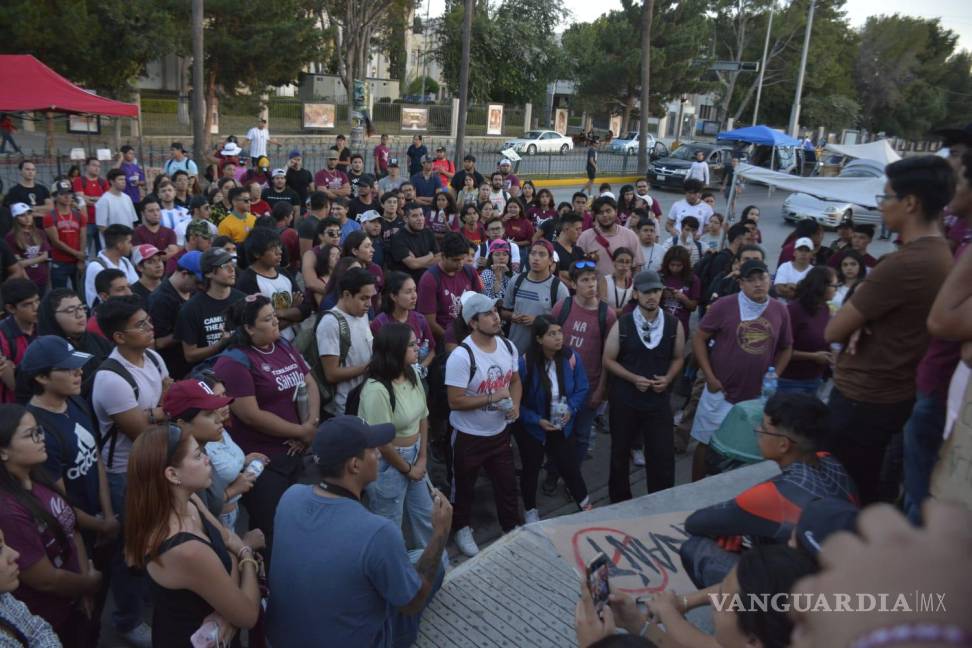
803,241
18,209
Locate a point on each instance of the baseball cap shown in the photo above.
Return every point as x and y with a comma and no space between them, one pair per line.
333,155
61,187
393,162
17,209
213,258
199,227
185,395
343,437
803,241
293,154
647,280
469,158
751,266
142,252
279,172
545,244
369,215
197,202
499,245
190,261
231,149
367,179
474,303
956,135
51,352
505,162
823,517
440,148
608,194
428,158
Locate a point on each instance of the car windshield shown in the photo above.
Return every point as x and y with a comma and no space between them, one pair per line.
532,135
687,152
631,135
860,171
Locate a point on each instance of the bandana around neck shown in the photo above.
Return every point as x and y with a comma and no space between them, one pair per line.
749,309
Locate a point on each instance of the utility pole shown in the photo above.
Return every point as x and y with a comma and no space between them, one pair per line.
795,109
646,15
425,55
198,86
762,66
467,20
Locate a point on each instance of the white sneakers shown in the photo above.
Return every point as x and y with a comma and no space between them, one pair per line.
140,636
464,540
638,457
531,516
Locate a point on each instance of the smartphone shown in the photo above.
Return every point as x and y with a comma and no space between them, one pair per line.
428,484
597,581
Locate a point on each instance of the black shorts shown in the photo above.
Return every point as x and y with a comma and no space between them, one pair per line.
591,173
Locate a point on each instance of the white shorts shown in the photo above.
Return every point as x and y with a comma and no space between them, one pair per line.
712,411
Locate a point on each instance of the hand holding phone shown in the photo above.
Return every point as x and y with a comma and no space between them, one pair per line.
597,581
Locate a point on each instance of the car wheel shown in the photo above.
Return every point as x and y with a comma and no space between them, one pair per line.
531,150
564,149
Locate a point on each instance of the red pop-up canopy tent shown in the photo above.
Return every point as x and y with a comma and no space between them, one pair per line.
26,84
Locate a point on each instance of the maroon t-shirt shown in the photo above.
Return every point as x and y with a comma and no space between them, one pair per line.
808,335
937,365
692,290
445,302
272,378
743,351
161,239
582,334
22,532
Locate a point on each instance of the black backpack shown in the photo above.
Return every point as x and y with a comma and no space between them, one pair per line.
472,356
601,316
353,402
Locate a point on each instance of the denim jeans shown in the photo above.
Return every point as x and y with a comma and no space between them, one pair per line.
64,275
793,386
393,495
93,240
405,628
705,562
128,585
922,440
583,428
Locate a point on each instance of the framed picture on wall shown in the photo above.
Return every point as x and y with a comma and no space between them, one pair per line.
319,115
560,121
84,124
494,119
415,119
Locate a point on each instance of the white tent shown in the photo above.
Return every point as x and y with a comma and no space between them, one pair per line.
859,191
879,151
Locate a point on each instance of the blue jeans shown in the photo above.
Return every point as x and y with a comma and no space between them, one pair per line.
705,562
64,275
393,495
922,440
127,585
93,241
790,386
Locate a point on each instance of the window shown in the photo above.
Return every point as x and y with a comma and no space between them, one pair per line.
706,112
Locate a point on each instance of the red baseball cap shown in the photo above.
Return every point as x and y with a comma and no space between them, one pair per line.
144,251
191,394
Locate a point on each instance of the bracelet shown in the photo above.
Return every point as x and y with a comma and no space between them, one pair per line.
644,629
256,565
922,633
245,549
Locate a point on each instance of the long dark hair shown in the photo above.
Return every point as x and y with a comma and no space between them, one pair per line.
853,254
243,313
322,263
339,270
811,289
388,357
536,361
394,282
766,571
678,253
353,242
11,416
626,205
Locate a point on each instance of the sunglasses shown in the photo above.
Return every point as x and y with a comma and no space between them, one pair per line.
580,265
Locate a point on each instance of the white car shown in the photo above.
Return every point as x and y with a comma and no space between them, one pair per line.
629,143
540,141
829,213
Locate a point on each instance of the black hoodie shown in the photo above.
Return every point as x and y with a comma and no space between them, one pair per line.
91,343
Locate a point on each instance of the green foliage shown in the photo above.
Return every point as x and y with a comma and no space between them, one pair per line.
514,52
415,86
836,111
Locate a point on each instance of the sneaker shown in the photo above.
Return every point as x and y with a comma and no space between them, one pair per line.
638,457
549,486
464,540
140,636
531,516
586,504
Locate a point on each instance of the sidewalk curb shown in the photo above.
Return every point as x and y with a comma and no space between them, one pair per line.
570,182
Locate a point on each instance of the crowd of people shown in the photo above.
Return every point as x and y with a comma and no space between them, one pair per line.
204,375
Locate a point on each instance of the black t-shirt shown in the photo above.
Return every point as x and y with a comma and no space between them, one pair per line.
344,155
390,229
567,259
591,157
357,207
459,179
164,305
7,260
354,179
300,181
139,289
307,228
550,229
288,195
200,320
403,243
33,196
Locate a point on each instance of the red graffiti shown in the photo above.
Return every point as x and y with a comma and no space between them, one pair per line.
619,546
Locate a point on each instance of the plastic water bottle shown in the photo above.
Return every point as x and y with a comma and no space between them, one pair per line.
769,384
423,352
559,410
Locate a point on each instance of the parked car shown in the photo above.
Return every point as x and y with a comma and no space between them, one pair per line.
829,213
671,171
540,141
629,143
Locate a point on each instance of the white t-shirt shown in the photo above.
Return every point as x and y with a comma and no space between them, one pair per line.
787,274
111,395
653,256
177,215
698,171
494,371
280,292
180,231
258,141
114,210
499,199
329,344
681,209
94,268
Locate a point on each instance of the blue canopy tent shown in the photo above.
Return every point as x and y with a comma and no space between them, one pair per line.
763,136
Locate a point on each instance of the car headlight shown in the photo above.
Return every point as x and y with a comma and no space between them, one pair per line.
833,210
680,172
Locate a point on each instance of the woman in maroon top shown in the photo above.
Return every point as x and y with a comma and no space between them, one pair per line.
57,581
626,204
682,287
399,299
358,246
809,314
519,229
543,209
32,249
469,226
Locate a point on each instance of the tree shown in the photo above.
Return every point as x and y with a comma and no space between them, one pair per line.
514,49
647,14
415,86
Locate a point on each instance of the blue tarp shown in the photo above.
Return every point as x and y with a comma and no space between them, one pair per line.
759,135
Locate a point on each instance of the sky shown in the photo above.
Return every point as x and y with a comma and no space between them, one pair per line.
955,14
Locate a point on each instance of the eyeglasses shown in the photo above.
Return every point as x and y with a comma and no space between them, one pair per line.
144,325
332,233
584,264
762,430
74,311
35,434
881,199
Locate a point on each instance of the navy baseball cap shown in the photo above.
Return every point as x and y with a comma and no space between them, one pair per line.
51,352
190,261
751,266
343,437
